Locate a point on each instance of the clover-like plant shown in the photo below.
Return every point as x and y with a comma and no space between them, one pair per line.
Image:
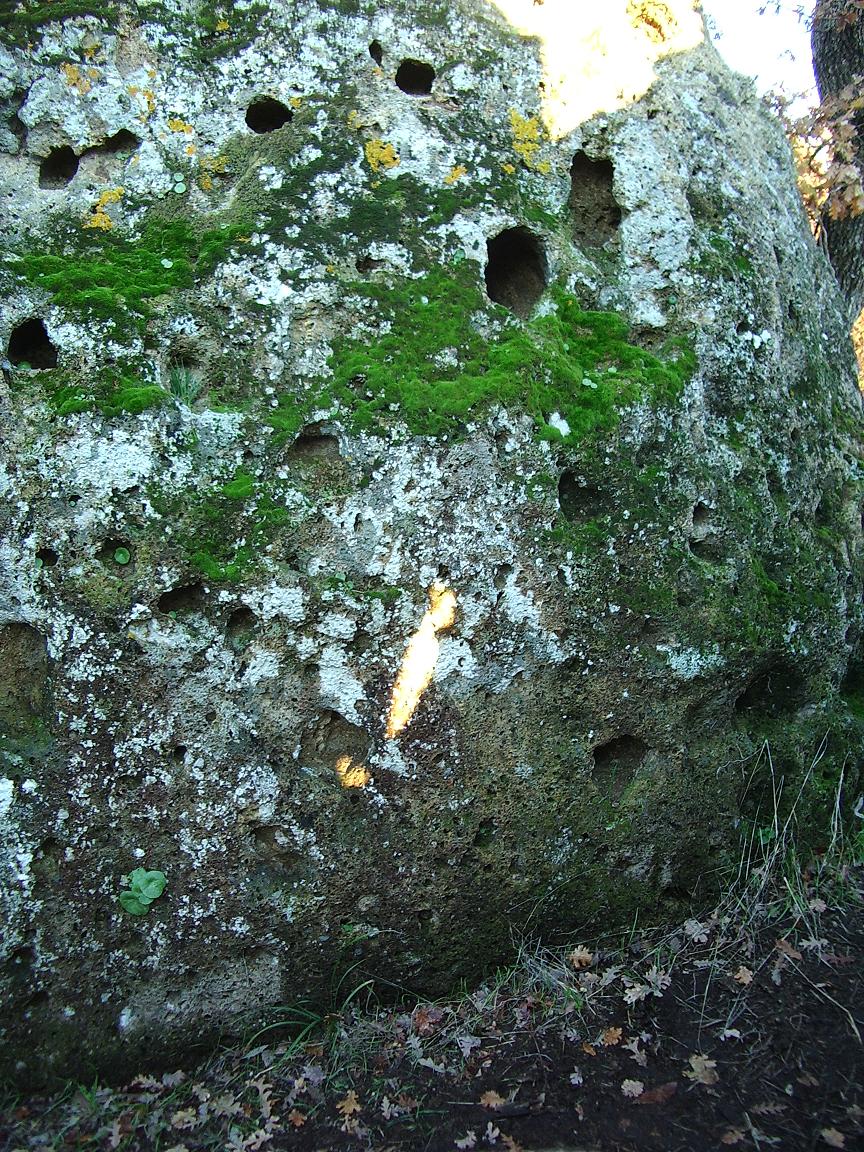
144,888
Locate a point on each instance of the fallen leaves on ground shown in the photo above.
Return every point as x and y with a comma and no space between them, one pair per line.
491,1099
349,1105
581,958
467,1141
296,1118
632,1088
833,1138
743,976
702,1070
662,1094
611,1037
787,949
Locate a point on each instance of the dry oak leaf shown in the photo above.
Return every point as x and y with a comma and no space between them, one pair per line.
611,1037
185,1118
468,1140
492,1100
702,1070
787,949
581,958
662,1094
349,1105
833,1138
632,1088
732,1136
296,1118
743,976
589,1049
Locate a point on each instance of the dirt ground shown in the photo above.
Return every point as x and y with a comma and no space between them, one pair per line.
742,1029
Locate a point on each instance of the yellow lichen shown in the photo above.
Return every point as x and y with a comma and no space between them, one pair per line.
528,134
74,78
178,125
456,173
509,168
380,155
354,119
190,149
98,217
222,25
295,101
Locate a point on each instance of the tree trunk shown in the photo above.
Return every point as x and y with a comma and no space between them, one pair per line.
838,57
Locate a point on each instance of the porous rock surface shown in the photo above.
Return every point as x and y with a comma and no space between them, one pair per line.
315,312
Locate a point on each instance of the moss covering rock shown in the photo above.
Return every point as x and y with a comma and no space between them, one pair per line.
305,375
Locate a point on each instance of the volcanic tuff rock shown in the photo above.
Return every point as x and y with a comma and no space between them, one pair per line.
349,331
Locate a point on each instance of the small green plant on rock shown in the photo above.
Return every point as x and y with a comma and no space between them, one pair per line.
144,888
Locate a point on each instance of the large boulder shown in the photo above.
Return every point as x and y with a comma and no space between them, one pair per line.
431,502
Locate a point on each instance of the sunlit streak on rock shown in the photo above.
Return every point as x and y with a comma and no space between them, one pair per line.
418,663
351,773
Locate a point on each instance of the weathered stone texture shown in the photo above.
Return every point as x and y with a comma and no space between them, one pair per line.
285,411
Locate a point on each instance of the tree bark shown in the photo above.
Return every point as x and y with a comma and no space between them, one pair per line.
838,57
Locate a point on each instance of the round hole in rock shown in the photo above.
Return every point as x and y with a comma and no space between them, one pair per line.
578,500
516,270
185,598
366,264
241,627
121,141
778,690
178,753
47,557
415,77
485,833
617,761
595,211
701,514
376,52
58,167
267,115
314,443
29,344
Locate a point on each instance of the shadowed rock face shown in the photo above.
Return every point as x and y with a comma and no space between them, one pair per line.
597,513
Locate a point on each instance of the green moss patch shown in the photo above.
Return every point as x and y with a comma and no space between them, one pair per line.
432,366
18,22
114,278
110,395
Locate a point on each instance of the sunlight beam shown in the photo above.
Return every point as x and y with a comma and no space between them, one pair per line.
421,655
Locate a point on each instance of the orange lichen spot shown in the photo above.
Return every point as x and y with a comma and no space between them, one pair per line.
351,773
93,73
98,217
456,173
178,125
190,149
206,182
421,655
380,155
74,79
